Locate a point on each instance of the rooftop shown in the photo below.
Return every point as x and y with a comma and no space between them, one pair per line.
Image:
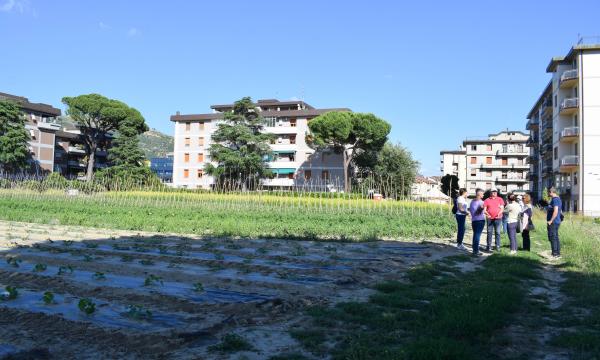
585,43
26,105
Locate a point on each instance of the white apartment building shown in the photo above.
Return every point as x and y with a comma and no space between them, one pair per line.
294,163
498,161
574,135
454,162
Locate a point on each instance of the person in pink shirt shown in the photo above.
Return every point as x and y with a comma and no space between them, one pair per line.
493,208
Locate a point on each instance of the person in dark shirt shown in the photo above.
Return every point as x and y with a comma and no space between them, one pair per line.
554,218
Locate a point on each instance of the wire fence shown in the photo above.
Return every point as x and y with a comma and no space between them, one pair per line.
369,195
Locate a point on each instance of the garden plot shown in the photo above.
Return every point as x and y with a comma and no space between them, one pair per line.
103,293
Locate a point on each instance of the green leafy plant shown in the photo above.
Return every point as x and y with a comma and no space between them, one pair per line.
86,306
231,343
48,298
63,270
152,280
138,312
99,276
11,293
39,268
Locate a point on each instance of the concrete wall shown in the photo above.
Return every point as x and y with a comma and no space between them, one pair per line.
590,130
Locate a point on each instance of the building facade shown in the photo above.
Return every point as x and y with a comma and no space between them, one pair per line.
293,163
498,161
564,125
42,127
163,167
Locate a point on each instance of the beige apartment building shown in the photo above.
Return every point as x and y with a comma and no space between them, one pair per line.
564,126
42,127
498,161
293,163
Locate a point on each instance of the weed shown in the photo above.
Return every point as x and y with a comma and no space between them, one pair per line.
99,276
86,306
231,343
198,287
12,261
64,270
48,298
138,312
219,256
10,293
39,268
152,280
311,340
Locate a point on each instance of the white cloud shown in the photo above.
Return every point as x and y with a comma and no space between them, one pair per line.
133,32
104,26
14,5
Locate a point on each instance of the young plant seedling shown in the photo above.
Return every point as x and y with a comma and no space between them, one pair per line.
63,270
39,268
99,276
86,306
48,298
146,262
138,312
152,280
11,293
198,287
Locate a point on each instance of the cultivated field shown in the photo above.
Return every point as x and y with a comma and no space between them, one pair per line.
173,296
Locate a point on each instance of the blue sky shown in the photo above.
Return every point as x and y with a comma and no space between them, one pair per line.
438,71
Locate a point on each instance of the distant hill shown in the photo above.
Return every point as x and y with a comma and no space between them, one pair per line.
156,144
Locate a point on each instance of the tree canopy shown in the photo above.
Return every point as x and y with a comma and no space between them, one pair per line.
14,148
97,115
350,134
239,148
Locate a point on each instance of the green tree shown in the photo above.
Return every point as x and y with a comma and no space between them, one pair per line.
14,148
239,148
97,115
349,134
449,185
393,165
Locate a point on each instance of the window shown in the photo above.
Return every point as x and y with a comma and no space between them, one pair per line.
504,161
201,126
187,142
188,126
186,173
488,185
307,174
488,174
488,147
473,160
325,175
474,147
200,141
293,122
200,173
488,160
200,157
473,172
292,139
270,121
186,157
556,153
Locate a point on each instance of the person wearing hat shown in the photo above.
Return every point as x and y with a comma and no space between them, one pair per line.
493,208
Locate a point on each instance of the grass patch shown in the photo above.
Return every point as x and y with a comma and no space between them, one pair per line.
439,313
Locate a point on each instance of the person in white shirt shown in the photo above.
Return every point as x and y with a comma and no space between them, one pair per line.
461,217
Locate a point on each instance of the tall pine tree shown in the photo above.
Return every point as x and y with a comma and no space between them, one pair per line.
239,148
14,148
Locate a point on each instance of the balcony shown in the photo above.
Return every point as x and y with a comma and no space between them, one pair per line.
533,123
569,163
569,79
569,134
76,150
507,167
48,126
512,180
533,141
512,152
569,106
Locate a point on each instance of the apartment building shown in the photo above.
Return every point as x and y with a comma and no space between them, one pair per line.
497,161
42,127
163,167
294,163
454,162
564,125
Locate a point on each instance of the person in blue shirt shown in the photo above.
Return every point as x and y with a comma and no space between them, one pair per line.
554,218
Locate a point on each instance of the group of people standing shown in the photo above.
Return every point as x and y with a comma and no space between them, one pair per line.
512,216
